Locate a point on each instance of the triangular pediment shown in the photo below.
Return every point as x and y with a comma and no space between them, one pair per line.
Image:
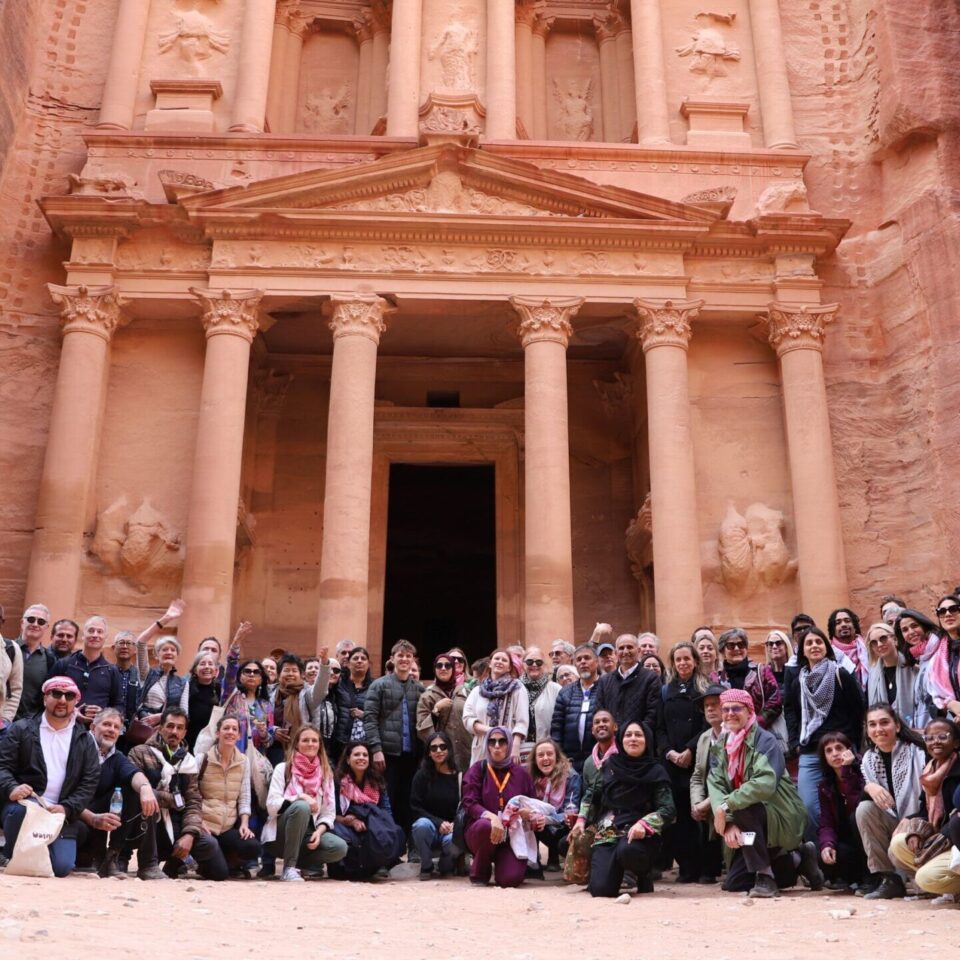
443,179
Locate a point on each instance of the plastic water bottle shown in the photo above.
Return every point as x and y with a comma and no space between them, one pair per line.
116,802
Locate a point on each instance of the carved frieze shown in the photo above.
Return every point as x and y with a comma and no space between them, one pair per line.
456,51
639,541
113,186
574,113
752,552
328,110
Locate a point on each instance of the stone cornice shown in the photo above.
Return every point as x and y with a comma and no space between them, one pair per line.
545,319
798,326
358,316
93,310
665,323
229,312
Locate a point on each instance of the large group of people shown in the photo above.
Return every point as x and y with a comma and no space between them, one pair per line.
831,760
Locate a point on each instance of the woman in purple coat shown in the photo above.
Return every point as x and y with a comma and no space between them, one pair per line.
487,786
838,838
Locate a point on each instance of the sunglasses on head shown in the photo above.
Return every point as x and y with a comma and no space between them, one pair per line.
67,695
441,747
458,660
497,742
941,611
533,663
39,621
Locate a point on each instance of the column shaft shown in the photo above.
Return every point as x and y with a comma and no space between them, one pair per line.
403,95
665,334
275,97
123,75
357,323
796,332
362,123
773,86
378,75
628,100
293,57
610,94
231,323
501,71
548,563
90,316
523,37
650,77
538,81
253,77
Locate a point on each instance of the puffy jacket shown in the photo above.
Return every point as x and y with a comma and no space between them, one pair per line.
348,697
635,697
565,726
175,689
225,793
21,761
383,717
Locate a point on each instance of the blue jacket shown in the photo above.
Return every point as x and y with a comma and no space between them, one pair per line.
565,727
115,771
175,687
99,680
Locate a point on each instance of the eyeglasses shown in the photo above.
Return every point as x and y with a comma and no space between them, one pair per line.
251,672
735,645
40,622
941,611
533,663
444,666
497,742
937,737
67,695
739,708
442,747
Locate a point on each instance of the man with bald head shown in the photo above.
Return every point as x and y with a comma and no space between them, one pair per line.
97,679
629,692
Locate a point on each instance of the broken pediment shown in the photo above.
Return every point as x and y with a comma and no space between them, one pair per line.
443,179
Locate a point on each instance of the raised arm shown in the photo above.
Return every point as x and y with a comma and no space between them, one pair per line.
173,612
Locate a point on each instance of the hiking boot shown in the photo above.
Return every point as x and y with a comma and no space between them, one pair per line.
891,888
111,866
291,874
763,888
868,885
809,867
152,872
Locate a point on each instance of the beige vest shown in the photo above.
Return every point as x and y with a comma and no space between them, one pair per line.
220,790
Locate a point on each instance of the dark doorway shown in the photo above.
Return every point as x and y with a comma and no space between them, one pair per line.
441,581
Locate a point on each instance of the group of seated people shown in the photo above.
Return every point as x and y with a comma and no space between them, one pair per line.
833,762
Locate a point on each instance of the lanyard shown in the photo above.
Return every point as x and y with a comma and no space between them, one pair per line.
500,786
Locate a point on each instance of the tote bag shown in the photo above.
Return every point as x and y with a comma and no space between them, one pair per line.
31,856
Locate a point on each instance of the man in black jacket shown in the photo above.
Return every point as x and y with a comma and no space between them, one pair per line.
50,757
629,692
95,676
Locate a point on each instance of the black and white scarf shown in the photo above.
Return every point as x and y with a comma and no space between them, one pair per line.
817,689
906,764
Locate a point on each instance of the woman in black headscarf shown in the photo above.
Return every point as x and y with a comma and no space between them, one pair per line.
636,804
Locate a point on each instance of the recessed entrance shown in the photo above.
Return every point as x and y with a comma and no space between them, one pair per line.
441,574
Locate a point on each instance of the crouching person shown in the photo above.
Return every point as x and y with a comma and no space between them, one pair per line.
756,808
103,836
224,782
49,757
172,771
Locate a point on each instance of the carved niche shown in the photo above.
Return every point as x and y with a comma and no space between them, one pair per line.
574,91
455,50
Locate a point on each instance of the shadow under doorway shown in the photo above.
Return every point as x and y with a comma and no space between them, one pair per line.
441,576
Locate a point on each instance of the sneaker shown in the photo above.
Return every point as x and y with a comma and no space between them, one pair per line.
809,866
945,900
763,888
868,885
891,888
839,886
291,873
153,872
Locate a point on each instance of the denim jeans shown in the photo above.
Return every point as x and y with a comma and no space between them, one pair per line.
427,839
809,775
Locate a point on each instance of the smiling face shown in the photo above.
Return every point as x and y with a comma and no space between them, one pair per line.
207,669
948,613
167,656
814,648
587,664
604,727
94,637
708,653
882,643
107,731
913,632
684,663
124,647
229,732
533,663
882,730
647,644
634,740
33,632
359,761
270,667
211,646
734,715
844,629
546,758
651,663
499,665
776,649
403,661
940,739
558,653
60,704
439,752
628,651
308,742
735,650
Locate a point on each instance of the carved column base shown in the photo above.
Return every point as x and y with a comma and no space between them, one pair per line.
184,106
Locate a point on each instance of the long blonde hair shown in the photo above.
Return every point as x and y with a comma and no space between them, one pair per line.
326,770
700,680
561,770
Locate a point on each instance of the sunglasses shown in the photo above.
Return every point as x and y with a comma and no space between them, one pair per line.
497,742
40,622
941,611
67,695
458,659
335,670
252,672
442,748
739,645
533,663
444,666
772,643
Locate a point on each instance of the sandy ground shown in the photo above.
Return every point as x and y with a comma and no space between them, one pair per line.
83,917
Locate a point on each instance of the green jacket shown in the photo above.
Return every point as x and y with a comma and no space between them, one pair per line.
766,782
383,717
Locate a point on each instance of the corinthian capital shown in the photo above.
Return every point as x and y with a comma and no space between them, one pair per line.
665,323
96,310
798,326
232,312
545,319
527,11
360,315
608,23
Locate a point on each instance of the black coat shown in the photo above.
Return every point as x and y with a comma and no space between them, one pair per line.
635,698
21,761
846,712
680,721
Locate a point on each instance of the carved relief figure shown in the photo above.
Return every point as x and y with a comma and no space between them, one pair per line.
575,114
327,110
456,50
752,551
196,40
783,198
708,51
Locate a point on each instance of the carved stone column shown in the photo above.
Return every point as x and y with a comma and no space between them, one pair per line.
230,321
357,323
363,27
541,27
297,26
378,65
89,316
501,71
650,75
628,99
664,333
403,94
253,69
797,332
526,13
123,74
548,563
605,26
773,86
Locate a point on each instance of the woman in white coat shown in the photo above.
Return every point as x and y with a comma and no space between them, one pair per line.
498,700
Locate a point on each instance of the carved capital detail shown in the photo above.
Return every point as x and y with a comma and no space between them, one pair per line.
528,11
608,23
798,326
358,316
665,323
96,310
546,319
230,312
542,25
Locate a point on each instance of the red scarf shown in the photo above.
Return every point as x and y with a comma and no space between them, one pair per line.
367,794
737,751
306,776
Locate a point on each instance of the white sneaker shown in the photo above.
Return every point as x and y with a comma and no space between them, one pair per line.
945,899
291,873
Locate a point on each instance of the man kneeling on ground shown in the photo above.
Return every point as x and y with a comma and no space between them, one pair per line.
756,808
